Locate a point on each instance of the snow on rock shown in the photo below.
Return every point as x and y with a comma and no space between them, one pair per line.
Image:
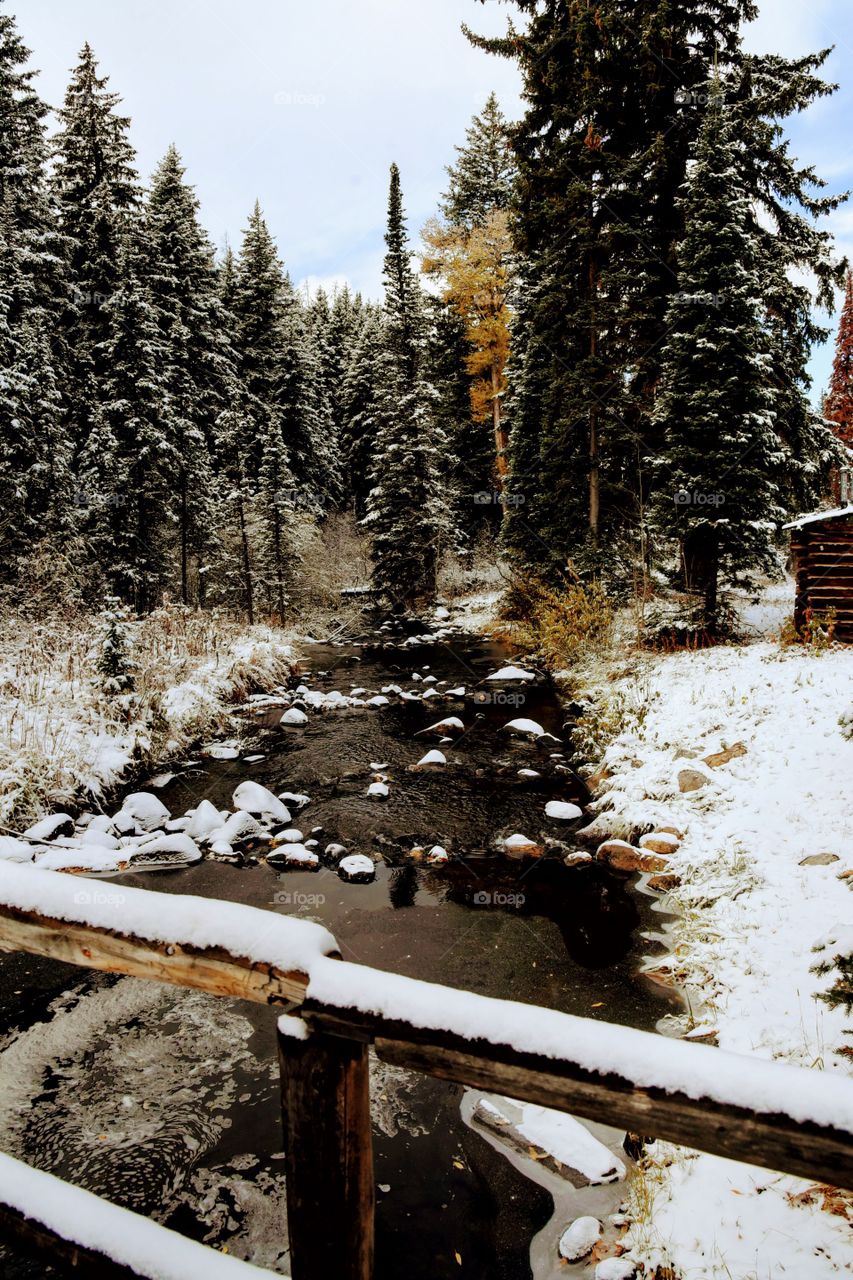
615,1269
13,850
519,842
293,855
570,1142
146,810
293,716
294,798
290,835
220,751
437,855
92,859
378,790
562,811
94,835
178,846
434,758
451,724
580,1239
136,1243
335,850
511,673
379,700
259,801
239,828
357,868
58,824
524,728
204,819
529,773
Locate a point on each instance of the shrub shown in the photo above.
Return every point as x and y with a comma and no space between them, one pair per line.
562,623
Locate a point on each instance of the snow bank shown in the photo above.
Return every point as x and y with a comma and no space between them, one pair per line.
127,1238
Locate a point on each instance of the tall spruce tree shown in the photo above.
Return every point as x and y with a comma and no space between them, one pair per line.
838,406
407,506
722,458
360,410
184,292
481,180
95,188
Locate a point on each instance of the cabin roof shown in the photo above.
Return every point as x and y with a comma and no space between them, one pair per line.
817,517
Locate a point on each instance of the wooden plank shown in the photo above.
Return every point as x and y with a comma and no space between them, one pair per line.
328,1146
37,1241
772,1142
212,969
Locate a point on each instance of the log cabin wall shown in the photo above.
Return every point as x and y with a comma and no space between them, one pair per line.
823,564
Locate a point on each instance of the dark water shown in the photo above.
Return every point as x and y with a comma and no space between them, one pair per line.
167,1101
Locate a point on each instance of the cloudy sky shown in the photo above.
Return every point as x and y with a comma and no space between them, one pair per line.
304,105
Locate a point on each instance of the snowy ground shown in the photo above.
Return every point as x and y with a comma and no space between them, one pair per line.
753,917
62,738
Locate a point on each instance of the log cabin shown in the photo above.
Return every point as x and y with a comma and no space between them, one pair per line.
822,552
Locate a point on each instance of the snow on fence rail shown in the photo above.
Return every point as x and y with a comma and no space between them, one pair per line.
775,1115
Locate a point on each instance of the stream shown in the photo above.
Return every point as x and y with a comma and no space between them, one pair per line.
167,1101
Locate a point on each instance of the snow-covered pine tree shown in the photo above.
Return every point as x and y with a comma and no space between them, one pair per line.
838,406
408,504
722,461
359,410
184,291
129,462
481,180
94,185
114,663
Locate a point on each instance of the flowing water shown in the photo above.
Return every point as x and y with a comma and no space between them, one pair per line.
167,1101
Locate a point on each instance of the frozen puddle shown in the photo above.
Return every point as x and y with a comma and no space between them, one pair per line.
581,1165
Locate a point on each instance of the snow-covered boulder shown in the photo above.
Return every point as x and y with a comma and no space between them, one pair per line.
294,718
432,760
93,835
562,811
379,700
357,868
176,849
529,773
437,855
290,835
442,728
80,859
294,855
507,674
58,824
295,798
335,850
239,828
580,1239
520,844
259,801
220,751
146,810
659,842
523,728
204,819
13,850
378,790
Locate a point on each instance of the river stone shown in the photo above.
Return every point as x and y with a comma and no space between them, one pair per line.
723,757
664,883
357,869
577,859
819,860
579,1240
58,824
659,842
691,780
561,811
146,810
295,717
622,856
295,856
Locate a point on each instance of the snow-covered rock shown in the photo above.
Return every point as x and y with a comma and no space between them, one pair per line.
239,828
378,790
260,801
13,850
204,819
379,700
290,835
449,725
294,717
511,673
519,843
524,728
57,824
166,850
432,759
437,855
93,835
562,811
580,1239
295,798
615,1269
221,751
335,850
293,855
529,773
80,859
357,868
146,810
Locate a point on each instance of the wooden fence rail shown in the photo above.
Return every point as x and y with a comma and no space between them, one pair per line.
781,1117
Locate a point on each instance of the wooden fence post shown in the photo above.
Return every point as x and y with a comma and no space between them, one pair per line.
325,1094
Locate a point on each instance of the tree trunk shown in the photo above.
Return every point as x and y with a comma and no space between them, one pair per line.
247,563
501,439
700,558
594,464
